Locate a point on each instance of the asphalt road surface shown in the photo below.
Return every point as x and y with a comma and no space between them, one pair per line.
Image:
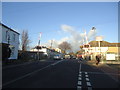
56,74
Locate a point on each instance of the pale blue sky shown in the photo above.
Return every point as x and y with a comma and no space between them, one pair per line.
49,16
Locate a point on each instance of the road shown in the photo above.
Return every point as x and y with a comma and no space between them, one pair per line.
56,74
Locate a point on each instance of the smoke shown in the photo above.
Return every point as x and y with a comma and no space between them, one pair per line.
91,35
76,37
55,42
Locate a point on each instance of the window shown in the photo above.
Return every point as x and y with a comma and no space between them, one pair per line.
6,36
86,46
14,37
12,51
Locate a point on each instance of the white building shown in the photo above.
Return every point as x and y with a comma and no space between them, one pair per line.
9,36
93,48
47,51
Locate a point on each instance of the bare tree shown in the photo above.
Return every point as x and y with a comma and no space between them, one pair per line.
65,46
25,40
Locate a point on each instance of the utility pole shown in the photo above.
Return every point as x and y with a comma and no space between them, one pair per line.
39,45
51,43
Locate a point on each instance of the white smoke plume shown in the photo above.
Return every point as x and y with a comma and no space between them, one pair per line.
91,35
76,38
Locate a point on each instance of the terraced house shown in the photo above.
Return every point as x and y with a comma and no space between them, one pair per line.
9,37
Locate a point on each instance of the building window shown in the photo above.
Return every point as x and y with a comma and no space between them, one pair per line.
6,37
14,37
12,51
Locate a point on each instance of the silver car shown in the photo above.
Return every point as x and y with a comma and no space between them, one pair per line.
57,57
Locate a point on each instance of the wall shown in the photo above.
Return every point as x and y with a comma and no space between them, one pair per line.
14,44
113,49
0,34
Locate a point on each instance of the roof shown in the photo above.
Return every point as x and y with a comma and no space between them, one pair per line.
103,44
9,28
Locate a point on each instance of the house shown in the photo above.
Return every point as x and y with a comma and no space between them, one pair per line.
9,37
93,48
46,51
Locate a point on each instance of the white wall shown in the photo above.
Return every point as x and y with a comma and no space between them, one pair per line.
97,49
0,34
14,44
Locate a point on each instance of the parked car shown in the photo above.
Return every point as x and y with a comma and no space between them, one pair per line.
67,57
57,57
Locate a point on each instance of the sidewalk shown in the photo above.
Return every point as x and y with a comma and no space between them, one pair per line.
112,72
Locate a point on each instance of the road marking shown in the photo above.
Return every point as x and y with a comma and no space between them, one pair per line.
89,88
86,75
87,79
24,76
80,72
56,62
88,84
80,68
79,83
79,78
79,75
29,74
79,87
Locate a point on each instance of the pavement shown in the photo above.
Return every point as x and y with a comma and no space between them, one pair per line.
112,72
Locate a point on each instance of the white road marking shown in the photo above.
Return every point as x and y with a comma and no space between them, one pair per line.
87,79
79,78
80,72
86,75
57,62
89,88
79,87
80,68
79,75
88,84
24,76
29,74
79,83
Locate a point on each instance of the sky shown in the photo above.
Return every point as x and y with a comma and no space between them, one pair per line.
63,21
